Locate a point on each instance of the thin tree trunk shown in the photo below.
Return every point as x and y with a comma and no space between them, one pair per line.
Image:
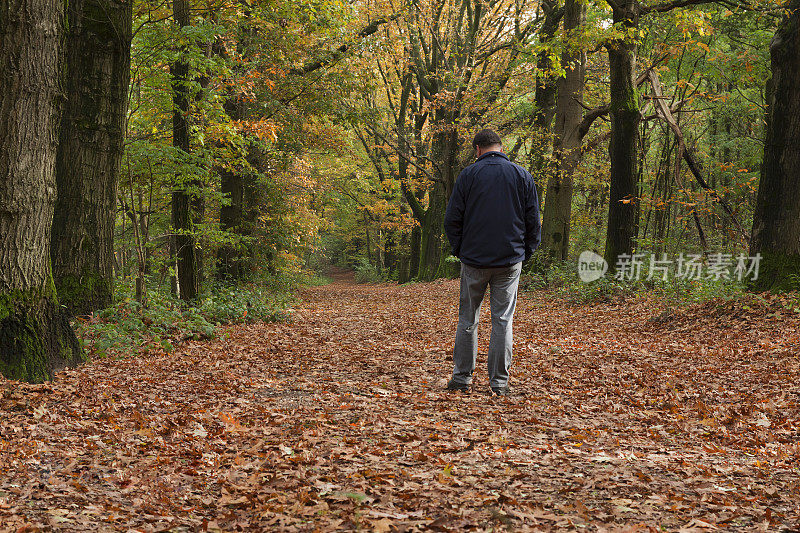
238,217
35,335
367,240
182,200
98,53
229,258
403,264
545,95
416,245
567,141
776,223
623,212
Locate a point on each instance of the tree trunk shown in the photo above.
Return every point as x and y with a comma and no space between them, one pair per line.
567,142
433,251
623,211
35,335
416,245
431,234
229,260
183,200
432,254
776,223
545,95
90,148
234,261
404,262
546,90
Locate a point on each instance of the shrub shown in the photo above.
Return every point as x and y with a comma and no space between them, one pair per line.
129,328
561,277
366,272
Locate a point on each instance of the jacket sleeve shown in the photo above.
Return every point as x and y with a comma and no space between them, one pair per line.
533,229
454,217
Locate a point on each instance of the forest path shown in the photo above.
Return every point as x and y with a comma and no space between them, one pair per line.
622,417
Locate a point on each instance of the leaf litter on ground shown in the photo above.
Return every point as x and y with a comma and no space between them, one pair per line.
624,417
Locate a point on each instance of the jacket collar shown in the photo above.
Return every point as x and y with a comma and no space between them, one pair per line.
493,154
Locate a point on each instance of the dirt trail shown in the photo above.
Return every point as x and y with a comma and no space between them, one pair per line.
623,418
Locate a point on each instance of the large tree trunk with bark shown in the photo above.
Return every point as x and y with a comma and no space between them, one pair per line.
416,245
623,211
98,51
567,142
431,257
544,98
432,250
776,223
183,198
35,335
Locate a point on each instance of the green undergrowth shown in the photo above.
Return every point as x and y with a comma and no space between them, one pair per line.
562,280
366,272
128,328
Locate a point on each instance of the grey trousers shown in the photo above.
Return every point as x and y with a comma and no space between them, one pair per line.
503,301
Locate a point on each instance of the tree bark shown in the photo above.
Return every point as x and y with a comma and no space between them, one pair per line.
776,223
416,244
183,199
432,250
432,233
623,211
546,90
567,141
239,184
230,263
35,335
90,149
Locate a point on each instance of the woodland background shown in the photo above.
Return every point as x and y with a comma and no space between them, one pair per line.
234,209
205,158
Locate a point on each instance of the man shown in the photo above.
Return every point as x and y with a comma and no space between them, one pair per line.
492,222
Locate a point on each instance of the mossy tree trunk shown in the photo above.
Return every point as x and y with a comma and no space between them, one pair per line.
567,141
776,223
623,211
546,90
413,260
445,148
97,55
432,234
35,336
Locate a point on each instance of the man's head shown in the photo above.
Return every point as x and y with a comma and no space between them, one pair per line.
487,141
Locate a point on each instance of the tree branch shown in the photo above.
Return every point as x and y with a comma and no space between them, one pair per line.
666,113
366,31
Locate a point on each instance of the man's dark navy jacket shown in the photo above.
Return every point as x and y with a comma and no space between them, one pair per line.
492,219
